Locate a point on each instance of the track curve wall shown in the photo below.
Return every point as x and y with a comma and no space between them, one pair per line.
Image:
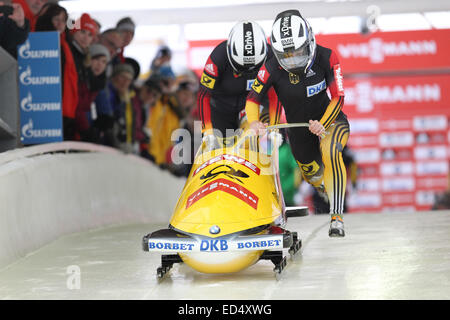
48,191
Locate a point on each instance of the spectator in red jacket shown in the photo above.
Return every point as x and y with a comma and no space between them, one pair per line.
53,17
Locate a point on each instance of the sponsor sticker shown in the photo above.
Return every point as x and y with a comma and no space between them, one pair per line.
228,157
316,88
211,68
339,79
227,186
263,74
257,86
263,242
249,42
285,28
250,84
207,81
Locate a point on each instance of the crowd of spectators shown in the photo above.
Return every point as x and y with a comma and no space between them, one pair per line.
104,99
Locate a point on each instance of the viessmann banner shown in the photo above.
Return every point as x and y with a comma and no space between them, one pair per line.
392,97
40,88
377,52
390,51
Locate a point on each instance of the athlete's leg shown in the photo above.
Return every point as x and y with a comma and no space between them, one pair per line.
306,151
335,174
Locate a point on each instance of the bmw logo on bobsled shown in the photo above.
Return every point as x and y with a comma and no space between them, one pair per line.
231,212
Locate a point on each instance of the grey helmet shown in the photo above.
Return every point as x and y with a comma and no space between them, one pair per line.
246,47
293,42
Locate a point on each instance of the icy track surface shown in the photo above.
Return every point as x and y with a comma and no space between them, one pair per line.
383,256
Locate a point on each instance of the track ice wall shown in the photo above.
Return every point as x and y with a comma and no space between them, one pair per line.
44,196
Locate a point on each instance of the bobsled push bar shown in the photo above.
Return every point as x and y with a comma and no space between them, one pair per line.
288,125
293,125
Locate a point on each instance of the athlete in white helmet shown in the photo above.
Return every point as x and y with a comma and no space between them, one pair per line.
301,72
228,76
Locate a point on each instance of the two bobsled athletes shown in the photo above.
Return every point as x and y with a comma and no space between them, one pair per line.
293,73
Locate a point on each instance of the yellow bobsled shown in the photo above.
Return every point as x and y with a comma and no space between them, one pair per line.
231,212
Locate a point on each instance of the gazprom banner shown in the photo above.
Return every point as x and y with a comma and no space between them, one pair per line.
40,88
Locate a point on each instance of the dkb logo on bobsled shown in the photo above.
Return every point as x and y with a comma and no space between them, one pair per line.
214,245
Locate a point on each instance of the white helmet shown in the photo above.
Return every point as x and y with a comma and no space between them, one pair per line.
293,42
246,47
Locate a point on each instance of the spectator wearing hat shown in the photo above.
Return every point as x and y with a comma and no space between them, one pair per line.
86,115
116,112
99,58
113,40
126,27
162,59
81,38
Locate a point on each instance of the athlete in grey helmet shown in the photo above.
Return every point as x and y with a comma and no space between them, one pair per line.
228,76
301,72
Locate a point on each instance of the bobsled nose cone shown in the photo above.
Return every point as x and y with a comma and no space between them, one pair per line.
214,229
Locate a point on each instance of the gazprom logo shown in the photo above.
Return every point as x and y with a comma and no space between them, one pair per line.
25,52
316,88
26,78
27,105
29,132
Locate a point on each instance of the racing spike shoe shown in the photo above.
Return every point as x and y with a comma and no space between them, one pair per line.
336,226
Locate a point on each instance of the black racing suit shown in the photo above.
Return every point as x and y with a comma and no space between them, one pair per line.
223,92
305,98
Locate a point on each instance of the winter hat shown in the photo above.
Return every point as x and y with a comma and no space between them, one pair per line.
136,67
123,67
85,22
98,49
126,24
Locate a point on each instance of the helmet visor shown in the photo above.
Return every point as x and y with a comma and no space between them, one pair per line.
293,59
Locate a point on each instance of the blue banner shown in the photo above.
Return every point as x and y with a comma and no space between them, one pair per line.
40,84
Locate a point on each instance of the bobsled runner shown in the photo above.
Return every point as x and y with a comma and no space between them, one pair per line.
231,212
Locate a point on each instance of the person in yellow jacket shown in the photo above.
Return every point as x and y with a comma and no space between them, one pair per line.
164,118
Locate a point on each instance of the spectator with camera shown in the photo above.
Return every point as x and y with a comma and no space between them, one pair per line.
14,27
31,10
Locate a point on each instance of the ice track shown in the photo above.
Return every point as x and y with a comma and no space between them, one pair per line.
383,256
